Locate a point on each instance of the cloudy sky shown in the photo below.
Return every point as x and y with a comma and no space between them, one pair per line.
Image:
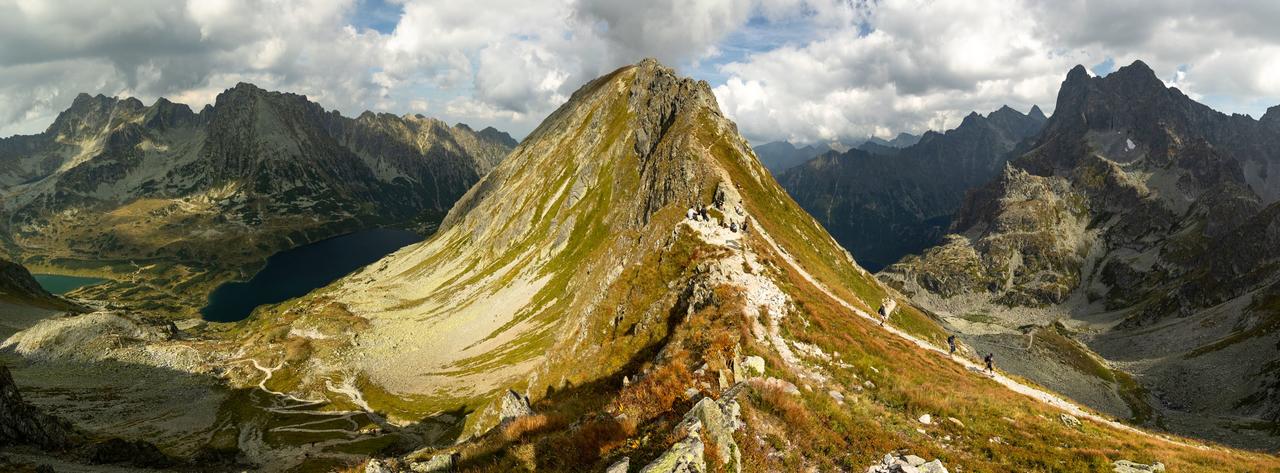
802,70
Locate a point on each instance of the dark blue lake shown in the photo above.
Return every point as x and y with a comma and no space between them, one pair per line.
295,272
62,284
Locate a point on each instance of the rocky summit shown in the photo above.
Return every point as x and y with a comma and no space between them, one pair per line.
628,290
1127,258
167,203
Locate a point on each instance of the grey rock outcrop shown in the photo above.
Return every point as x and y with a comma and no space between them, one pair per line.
906,464
1126,466
442,463
708,422
685,456
619,466
513,405
23,424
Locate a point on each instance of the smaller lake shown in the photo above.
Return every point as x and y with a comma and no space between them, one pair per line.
62,284
295,272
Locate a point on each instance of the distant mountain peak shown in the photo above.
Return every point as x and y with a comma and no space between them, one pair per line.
1136,74
1077,73
1272,116
1037,113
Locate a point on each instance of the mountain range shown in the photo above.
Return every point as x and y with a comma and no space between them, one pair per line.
167,203
882,205
779,156
629,289
1142,224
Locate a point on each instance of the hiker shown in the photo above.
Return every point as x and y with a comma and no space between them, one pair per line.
987,359
886,310
951,342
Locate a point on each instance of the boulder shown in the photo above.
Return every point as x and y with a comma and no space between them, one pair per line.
513,405
683,457
376,466
717,420
926,419
1126,466
437,464
753,365
780,384
713,420
934,466
1071,421
619,466
906,464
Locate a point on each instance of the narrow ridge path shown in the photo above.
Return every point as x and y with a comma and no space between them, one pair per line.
1013,385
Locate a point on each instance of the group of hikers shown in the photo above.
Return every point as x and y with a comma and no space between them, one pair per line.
886,310
699,213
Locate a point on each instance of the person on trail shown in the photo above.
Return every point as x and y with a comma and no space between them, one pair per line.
886,310
988,360
951,342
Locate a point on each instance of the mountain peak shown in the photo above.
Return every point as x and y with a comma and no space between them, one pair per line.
1005,112
1077,73
1272,116
1037,113
1137,74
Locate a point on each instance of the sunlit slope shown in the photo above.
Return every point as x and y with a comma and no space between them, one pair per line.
575,264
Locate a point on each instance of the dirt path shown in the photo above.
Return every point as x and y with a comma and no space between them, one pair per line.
1015,386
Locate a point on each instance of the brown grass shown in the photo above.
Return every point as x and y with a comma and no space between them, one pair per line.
519,427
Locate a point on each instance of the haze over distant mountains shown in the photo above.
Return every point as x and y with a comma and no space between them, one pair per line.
780,156
883,202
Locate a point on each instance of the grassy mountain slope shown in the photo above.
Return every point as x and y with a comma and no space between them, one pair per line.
574,265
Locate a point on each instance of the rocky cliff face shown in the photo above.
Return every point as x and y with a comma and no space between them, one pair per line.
882,205
198,198
1131,215
23,424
